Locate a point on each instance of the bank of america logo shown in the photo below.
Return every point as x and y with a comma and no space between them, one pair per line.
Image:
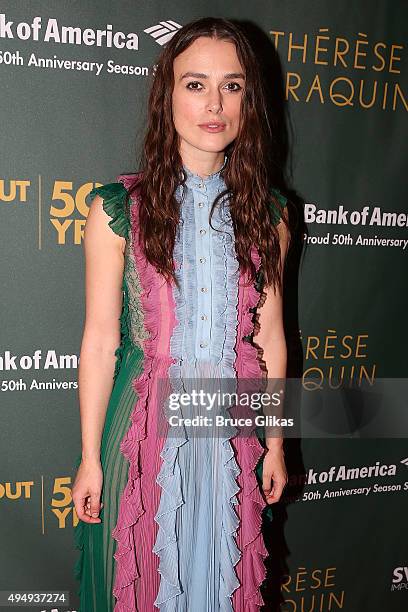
405,462
163,31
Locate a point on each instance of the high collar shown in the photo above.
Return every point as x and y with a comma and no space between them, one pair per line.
195,180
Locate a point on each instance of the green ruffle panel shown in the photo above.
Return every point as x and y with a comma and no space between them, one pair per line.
79,539
115,204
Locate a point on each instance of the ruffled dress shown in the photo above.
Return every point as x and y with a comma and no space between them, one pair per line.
182,515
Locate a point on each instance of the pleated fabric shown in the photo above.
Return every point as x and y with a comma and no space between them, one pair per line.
182,515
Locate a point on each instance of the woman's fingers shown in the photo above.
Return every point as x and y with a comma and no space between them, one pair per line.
83,509
276,491
273,492
95,505
274,476
266,482
86,492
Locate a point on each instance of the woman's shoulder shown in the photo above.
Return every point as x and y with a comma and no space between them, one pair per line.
116,201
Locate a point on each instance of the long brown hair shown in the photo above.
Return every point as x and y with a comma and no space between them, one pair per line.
245,173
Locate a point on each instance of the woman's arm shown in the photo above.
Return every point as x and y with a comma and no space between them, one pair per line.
104,265
271,338
271,335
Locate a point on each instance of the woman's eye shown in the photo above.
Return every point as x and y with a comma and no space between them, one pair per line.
193,83
238,87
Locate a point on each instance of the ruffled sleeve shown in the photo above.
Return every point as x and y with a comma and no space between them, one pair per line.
276,213
115,204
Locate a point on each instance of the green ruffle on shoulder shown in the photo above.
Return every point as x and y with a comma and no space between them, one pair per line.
276,215
115,204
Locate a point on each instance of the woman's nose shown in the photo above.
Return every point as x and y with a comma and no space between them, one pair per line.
214,102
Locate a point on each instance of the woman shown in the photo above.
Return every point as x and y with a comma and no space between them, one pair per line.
173,521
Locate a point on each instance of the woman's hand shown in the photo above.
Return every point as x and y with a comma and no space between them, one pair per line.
274,469
86,491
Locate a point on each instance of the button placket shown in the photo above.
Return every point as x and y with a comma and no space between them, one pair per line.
197,199
203,285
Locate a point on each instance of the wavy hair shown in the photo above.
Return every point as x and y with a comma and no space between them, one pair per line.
245,173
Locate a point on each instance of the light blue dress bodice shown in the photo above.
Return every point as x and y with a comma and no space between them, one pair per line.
207,300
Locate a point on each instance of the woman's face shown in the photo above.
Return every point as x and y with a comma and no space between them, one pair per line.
208,85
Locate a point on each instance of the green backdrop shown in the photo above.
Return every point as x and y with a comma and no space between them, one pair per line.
70,120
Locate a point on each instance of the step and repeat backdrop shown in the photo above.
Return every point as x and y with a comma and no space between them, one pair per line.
74,79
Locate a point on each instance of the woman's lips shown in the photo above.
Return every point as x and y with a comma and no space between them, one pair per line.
207,127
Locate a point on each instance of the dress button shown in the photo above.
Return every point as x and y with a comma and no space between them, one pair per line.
202,260
202,231
204,317
200,204
204,289
203,344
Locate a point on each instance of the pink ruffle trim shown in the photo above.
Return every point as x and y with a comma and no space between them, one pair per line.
248,367
131,504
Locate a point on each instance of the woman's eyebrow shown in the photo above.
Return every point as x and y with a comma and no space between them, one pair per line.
201,75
